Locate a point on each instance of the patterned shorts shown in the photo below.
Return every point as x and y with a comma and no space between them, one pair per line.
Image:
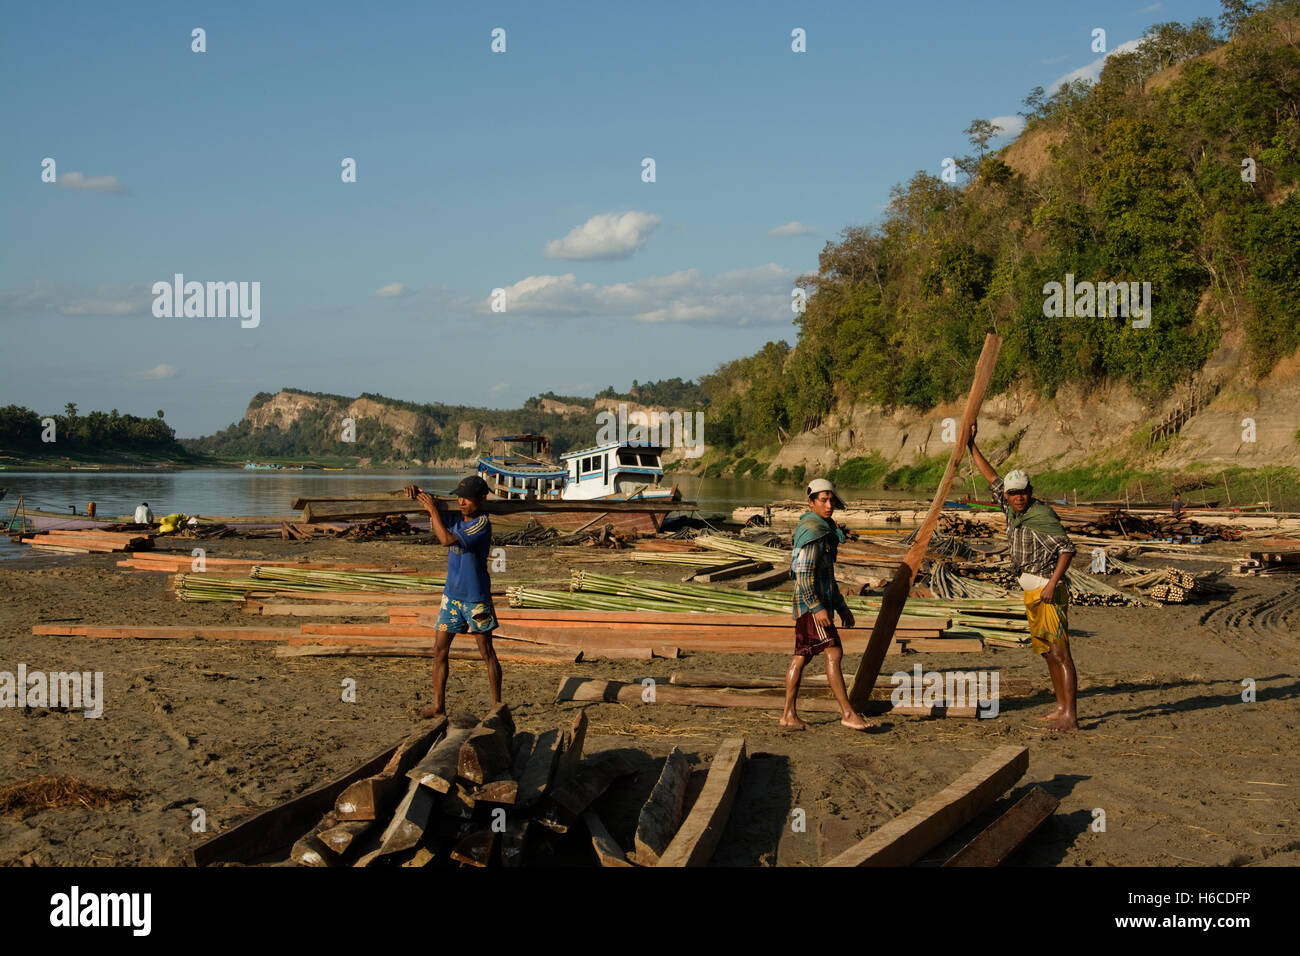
460,617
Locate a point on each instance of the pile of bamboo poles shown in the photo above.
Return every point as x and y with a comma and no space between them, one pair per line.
266,578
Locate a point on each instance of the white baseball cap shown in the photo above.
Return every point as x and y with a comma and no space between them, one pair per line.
818,485
1015,481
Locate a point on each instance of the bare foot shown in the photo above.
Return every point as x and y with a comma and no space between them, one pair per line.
1065,723
857,723
1053,715
429,713
794,723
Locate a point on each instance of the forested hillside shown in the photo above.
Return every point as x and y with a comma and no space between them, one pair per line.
1177,168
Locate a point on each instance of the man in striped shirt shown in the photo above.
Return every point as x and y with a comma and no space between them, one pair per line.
1040,552
816,596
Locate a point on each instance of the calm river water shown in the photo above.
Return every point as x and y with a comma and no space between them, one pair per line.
239,492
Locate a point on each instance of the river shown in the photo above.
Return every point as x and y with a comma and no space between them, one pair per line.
207,491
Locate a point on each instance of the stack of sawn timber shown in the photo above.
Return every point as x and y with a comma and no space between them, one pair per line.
87,541
483,795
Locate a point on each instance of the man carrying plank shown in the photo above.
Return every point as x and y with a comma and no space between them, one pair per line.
816,596
1040,551
467,595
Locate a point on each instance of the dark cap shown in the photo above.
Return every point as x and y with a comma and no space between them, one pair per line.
471,487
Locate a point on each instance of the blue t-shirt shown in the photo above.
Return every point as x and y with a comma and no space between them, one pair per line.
467,569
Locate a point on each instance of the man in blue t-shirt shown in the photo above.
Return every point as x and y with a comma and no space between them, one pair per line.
467,595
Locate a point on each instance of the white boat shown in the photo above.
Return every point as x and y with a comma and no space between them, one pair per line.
618,471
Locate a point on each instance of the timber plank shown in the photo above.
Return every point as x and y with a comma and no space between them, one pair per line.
905,839
366,799
895,596
437,771
662,813
536,778
476,849
608,852
570,800
1008,832
699,834
274,827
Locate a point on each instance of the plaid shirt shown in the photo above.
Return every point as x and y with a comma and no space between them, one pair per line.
812,566
1030,550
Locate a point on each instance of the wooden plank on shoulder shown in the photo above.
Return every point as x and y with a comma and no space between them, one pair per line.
905,839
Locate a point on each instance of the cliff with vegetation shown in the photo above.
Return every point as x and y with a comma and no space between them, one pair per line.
1177,168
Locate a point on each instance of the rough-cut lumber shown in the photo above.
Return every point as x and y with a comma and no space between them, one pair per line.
700,832
374,796
570,800
503,790
739,570
517,655
342,836
168,632
476,849
409,822
514,840
281,824
594,689
571,752
315,511
905,839
608,852
437,771
311,851
662,813
536,778
895,596
484,756
1008,832
764,581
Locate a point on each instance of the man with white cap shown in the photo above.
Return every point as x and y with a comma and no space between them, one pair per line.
816,542
1041,551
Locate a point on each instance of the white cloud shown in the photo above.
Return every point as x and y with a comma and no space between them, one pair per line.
97,184
1092,71
498,388
47,298
740,297
1151,9
391,291
1008,126
159,372
607,236
794,228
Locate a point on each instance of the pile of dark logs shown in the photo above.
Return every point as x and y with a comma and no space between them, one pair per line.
460,793
1117,522
532,533
378,528
955,526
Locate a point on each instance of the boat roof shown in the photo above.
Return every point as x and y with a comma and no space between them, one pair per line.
645,445
530,438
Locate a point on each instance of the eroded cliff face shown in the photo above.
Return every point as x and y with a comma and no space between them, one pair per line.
1222,416
284,409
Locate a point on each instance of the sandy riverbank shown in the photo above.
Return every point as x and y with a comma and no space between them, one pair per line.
1185,771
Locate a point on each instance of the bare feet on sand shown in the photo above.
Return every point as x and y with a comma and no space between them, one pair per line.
793,723
1054,715
429,713
857,723
1065,723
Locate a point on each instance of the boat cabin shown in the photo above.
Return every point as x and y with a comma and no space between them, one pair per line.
518,474
616,470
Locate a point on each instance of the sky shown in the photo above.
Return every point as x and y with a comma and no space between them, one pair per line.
518,169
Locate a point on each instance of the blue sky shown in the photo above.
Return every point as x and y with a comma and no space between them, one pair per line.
475,170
